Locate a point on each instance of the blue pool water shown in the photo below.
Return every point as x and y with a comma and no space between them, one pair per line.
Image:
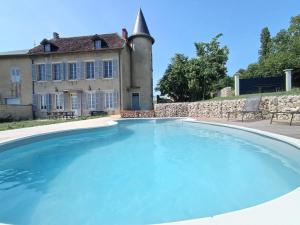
141,172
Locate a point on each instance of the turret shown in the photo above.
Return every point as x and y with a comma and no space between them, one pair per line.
141,62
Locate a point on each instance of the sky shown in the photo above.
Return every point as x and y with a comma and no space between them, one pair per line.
175,25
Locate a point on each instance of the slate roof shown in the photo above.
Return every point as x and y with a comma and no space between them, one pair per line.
80,44
140,27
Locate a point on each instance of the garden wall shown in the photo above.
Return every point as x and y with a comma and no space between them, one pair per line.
137,114
15,112
220,108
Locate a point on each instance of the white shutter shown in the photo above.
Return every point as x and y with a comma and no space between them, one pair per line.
35,102
62,71
80,70
101,69
62,100
66,71
115,68
49,101
115,99
18,75
98,69
98,100
48,71
84,100
13,75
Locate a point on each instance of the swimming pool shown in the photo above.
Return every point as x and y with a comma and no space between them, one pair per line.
142,172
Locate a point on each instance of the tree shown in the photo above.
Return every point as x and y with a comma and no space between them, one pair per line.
265,42
195,79
294,28
207,68
277,53
174,82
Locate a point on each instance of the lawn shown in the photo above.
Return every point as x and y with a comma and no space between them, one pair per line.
294,91
39,122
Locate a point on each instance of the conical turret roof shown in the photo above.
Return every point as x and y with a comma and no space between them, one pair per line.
140,26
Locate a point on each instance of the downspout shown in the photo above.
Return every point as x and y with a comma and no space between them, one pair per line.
130,67
120,81
33,92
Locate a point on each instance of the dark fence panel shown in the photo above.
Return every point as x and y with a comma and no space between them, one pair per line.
296,78
262,84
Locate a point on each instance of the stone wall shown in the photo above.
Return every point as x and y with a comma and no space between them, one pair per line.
137,114
225,92
220,108
15,112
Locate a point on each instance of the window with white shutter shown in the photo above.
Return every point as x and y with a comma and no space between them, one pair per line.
90,71
108,68
91,100
43,102
59,101
41,72
56,70
109,100
98,44
72,71
15,75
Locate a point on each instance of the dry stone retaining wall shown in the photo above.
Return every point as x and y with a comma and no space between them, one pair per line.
137,114
220,108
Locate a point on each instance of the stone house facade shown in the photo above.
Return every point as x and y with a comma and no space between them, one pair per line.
105,72
15,78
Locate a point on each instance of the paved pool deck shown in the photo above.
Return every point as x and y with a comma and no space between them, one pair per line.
278,127
10,135
281,211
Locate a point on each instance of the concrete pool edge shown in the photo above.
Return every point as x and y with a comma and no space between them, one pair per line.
9,136
279,211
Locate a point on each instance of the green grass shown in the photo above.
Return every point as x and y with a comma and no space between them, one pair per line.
294,91
39,122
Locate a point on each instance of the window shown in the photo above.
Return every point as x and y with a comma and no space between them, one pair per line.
15,75
90,70
72,71
41,72
12,101
108,68
91,98
59,101
109,100
43,102
56,71
97,44
74,102
47,48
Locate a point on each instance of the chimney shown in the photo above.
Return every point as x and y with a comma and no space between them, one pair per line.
125,33
55,35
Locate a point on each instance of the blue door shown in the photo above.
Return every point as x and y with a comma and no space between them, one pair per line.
135,100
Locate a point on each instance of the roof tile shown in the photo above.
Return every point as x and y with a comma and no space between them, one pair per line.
81,43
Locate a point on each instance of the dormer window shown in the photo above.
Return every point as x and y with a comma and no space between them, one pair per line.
98,44
47,48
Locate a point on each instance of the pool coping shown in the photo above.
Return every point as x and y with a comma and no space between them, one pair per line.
36,131
279,211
